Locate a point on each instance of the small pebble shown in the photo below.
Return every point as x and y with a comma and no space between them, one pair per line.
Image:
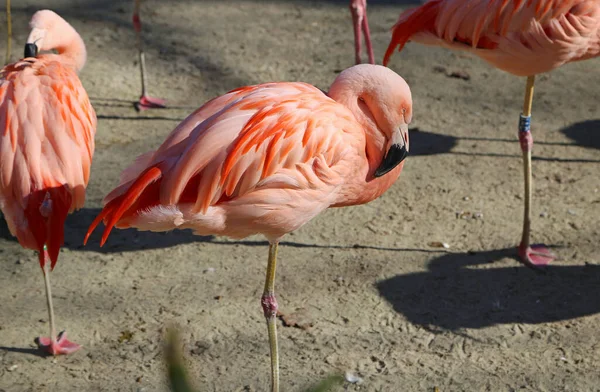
543,214
351,378
208,270
571,212
12,368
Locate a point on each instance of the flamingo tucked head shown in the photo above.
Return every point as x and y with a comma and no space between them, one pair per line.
51,32
382,102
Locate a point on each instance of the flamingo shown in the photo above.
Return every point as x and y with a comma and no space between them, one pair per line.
266,159
522,37
145,101
358,9
47,128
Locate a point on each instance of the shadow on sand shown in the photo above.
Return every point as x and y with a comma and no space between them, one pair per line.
585,133
451,295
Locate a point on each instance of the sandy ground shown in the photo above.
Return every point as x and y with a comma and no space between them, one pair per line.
383,302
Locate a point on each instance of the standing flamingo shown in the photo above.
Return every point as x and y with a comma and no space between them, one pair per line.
266,159
358,8
47,128
145,101
522,37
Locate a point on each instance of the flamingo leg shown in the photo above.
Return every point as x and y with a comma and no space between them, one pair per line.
8,32
367,33
269,305
59,345
531,255
358,8
145,101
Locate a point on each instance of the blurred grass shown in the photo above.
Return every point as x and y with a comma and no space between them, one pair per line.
180,382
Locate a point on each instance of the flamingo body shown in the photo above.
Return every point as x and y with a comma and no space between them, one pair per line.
46,146
47,128
522,37
261,159
266,159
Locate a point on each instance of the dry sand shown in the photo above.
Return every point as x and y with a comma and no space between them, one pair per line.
384,304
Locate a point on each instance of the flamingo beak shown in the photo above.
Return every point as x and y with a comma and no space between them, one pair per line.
34,42
30,50
397,151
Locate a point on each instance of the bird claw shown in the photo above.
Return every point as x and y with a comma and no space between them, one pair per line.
535,256
59,346
146,102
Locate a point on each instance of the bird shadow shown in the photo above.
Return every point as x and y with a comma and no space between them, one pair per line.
20,350
453,295
127,240
429,143
424,143
131,240
585,133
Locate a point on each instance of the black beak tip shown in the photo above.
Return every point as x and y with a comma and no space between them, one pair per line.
31,50
393,158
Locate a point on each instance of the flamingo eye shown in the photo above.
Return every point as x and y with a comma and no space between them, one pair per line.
361,99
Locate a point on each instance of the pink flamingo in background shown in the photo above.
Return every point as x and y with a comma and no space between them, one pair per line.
266,159
358,8
47,128
522,37
145,101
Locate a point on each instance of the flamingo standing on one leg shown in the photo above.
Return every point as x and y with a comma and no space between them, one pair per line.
358,8
522,37
266,159
145,101
47,128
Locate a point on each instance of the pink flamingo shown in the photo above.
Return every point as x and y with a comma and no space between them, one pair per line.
358,8
266,159
145,101
47,128
522,37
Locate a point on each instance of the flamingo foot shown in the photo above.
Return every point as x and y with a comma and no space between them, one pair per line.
147,102
59,346
535,256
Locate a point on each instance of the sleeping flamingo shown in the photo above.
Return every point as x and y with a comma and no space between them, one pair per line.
266,159
522,37
145,101
47,128
358,8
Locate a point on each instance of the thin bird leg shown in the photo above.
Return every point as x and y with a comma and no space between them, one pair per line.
365,26
46,272
8,32
358,12
145,102
536,255
60,344
269,305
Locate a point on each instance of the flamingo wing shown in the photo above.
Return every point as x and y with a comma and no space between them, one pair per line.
276,135
47,128
506,33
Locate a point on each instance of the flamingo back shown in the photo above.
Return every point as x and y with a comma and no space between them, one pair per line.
506,33
252,147
47,128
